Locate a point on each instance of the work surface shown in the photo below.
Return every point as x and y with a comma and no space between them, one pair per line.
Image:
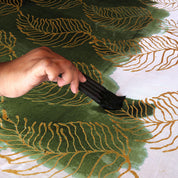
130,47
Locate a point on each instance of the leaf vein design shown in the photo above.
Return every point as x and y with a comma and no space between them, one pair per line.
172,27
122,18
97,133
7,43
160,124
9,6
151,50
34,143
75,132
54,32
58,4
170,5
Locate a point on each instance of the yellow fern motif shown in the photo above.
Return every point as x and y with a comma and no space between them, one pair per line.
151,50
161,125
50,93
172,27
9,6
120,18
7,43
115,51
54,32
170,5
59,4
63,145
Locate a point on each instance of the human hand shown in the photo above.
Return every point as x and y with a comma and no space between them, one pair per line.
19,76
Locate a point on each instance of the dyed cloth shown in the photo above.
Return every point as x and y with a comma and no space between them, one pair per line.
131,48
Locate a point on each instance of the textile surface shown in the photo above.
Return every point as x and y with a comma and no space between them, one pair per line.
130,47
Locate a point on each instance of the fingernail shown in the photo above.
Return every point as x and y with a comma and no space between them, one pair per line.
84,79
75,91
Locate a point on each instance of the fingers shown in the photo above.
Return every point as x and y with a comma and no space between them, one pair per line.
81,77
53,65
71,76
52,72
59,65
66,78
75,83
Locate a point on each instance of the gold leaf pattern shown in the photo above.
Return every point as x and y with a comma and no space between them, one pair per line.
120,18
70,146
165,121
160,125
115,51
56,143
7,43
170,5
54,32
163,48
50,92
172,27
9,6
59,4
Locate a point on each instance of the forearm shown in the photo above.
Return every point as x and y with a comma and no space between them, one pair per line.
3,78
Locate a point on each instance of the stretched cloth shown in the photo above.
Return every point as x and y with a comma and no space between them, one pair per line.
128,46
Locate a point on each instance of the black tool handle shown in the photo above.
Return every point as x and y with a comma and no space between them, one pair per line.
87,90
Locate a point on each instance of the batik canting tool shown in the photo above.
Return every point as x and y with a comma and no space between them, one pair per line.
101,95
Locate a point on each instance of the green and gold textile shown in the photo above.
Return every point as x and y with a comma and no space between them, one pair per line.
50,126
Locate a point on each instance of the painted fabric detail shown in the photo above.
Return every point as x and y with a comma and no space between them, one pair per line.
126,46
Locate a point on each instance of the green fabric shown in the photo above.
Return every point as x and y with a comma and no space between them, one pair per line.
50,124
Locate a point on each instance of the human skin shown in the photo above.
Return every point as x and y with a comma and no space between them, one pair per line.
19,76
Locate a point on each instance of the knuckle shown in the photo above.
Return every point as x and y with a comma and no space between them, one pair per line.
44,48
42,51
69,78
52,78
68,63
45,62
